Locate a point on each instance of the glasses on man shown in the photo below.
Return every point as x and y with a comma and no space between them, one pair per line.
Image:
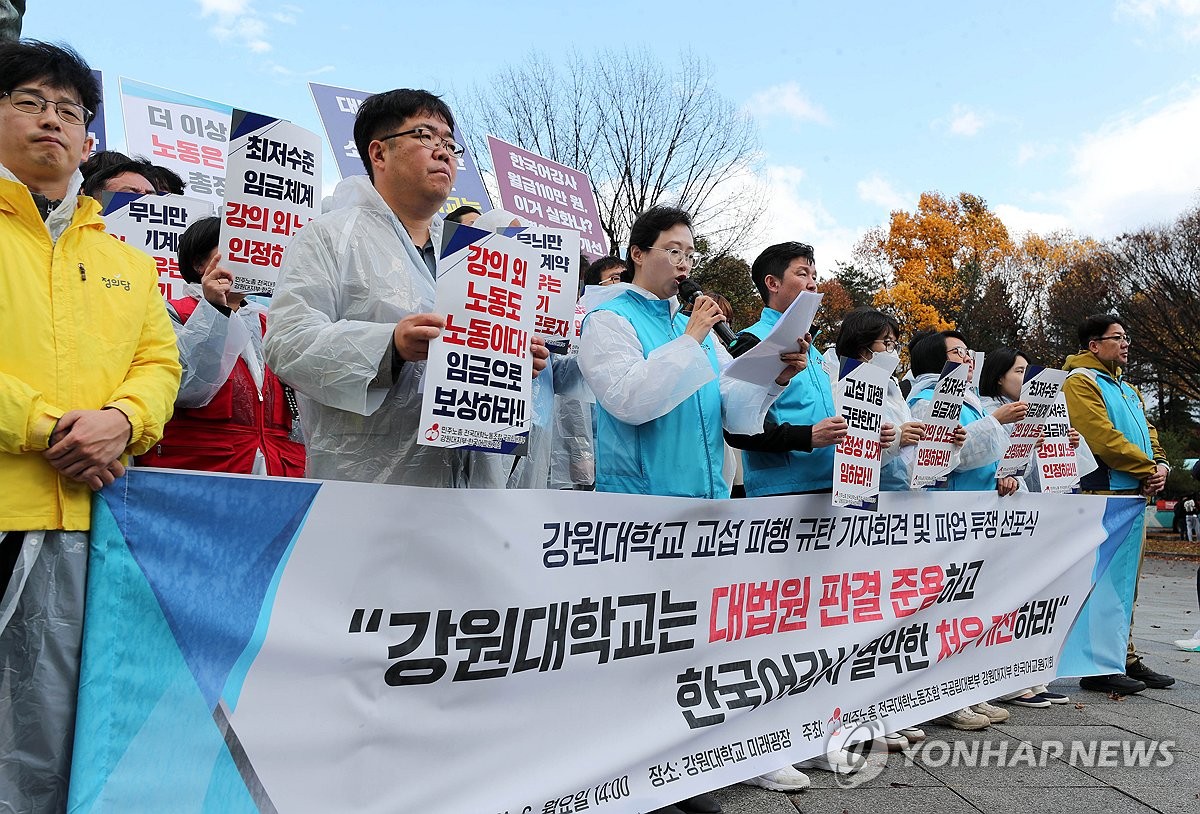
680,258
27,101
430,139
1120,339
963,352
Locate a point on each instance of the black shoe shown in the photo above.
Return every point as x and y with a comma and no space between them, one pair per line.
1115,684
667,810
700,804
1140,672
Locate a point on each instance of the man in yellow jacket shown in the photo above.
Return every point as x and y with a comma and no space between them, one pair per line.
1111,417
88,376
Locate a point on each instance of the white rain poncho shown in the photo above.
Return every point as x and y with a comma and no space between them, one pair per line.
210,344
347,279
636,388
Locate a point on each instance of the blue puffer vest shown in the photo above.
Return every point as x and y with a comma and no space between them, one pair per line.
979,479
678,454
807,400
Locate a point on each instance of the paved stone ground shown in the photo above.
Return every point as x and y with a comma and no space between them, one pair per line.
1166,611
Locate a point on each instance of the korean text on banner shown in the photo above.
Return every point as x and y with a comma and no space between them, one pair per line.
273,191
1040,390
183,133
713,640
935,452
479,376
153,223
859,395
337,108
557,279
548,193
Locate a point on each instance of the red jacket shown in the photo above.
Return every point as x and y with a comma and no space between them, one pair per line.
223,435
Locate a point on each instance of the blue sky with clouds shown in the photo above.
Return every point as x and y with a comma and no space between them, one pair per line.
1067,115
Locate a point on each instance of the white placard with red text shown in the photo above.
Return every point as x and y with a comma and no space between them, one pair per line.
1056,461
556,281
478,379
935,452
858,398
1040,390
154,223
273,190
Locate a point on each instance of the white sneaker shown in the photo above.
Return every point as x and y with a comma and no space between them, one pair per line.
913,734
894,741
839,760
992,712
785,779
965,719
1192,645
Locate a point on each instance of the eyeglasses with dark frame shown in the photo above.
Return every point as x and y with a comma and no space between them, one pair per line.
1118,338
889,345
963,353
33,103
430,139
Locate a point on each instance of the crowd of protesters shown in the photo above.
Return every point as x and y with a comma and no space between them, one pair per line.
326,383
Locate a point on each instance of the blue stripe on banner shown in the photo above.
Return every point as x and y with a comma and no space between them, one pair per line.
245,542
154,743
142,90
1097,642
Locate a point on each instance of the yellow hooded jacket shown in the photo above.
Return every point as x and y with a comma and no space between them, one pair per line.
84,327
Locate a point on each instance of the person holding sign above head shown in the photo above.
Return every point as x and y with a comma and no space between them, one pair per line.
351,318
1110,415
88,374
232,413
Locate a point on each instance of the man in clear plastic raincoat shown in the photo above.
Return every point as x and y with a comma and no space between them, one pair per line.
351,318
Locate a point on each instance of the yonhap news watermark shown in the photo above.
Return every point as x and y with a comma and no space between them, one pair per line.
1010,754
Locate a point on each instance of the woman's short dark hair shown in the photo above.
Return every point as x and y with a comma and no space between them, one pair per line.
860,328
996,365
927,351
195,245
386,111
648,226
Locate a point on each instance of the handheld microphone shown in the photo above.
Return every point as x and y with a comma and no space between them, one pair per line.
688,292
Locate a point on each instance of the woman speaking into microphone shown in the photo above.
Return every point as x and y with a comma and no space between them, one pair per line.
656,373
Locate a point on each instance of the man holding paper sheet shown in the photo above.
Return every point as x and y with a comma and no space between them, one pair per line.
351,319
795,452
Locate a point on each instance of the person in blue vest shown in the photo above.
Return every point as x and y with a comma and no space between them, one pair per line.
976,461
794,455
656,373
661,401
1111,417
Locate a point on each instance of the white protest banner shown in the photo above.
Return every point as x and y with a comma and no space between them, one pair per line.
273,191
557,279
549,193
478,379
858,398
936,450
153,223
185,134
362,648
1040,390
1056,461
760,364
